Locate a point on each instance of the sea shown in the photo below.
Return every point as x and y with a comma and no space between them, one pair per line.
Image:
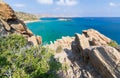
52,29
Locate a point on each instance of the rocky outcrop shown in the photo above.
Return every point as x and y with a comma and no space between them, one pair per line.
106,60
6,12
80,43
94,49
96,38
72,63
118,48
65,42
89,38
87,55
10,24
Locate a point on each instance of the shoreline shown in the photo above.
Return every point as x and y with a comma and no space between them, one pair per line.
31,21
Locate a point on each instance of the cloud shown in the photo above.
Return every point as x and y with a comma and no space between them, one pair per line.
45,1
67,2
58,2
113,4
19,5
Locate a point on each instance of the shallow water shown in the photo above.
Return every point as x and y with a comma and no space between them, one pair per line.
54,28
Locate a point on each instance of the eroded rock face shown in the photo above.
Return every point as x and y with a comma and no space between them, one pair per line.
65,42
96,38
94,49
6,12
118,48
106,60
80,43
10,24
34,40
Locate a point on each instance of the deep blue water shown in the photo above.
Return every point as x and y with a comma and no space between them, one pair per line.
51,28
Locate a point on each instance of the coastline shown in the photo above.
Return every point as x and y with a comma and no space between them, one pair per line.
30,21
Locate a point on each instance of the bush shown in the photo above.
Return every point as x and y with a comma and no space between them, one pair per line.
18,61
59,49
113,44
12,42
65,67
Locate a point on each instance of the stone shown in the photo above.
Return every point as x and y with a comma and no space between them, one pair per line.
10,24
29,32
106,60
65,42
96,38
7,27
118,48
39,39
34,40
6,12
80,43
19,27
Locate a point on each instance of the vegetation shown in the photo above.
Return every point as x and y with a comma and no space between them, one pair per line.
113,44
26,16
65,67
17,60
59,49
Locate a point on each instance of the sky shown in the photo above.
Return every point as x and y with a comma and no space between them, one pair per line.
75,8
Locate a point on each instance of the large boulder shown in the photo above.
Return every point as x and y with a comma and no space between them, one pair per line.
80,43
6,26
6,12
106,60
88,38
118,48
3,32
94,49
10,24
96,38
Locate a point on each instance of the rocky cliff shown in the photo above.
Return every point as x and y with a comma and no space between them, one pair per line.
87,55
10,24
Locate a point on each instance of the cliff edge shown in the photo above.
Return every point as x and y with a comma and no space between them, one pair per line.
87,55
10,24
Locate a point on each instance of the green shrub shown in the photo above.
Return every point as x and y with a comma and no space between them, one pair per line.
18,61
113,44
59,49
65,67
11,42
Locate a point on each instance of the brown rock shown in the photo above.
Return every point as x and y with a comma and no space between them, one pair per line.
106,60
7,27
34,40
80,43
6,12
39,39
96,38
10,24
118,48
18,27
3,32
29,32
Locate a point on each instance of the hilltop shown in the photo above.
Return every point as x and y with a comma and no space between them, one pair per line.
26,16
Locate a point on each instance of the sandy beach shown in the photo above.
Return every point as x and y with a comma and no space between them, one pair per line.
31,21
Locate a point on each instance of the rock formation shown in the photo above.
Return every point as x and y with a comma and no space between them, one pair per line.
106,60
95,38
10,24
87,55
94,49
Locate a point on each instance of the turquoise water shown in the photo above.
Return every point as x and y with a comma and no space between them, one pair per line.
52,28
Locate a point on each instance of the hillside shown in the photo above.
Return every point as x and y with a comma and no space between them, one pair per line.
26,16
86,55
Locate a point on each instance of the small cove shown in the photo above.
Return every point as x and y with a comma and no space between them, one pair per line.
54,28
